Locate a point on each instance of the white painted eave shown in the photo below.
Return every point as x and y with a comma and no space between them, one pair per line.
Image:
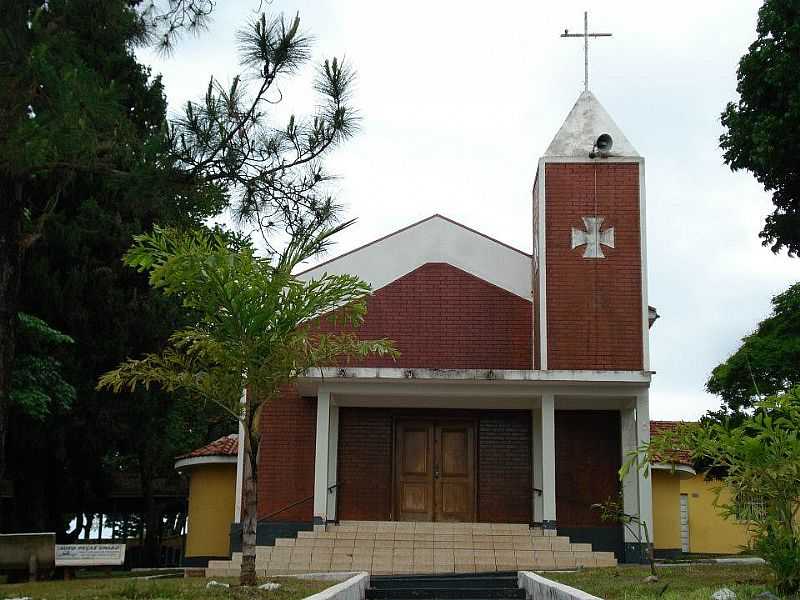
584,123
498,376
682,471
193,461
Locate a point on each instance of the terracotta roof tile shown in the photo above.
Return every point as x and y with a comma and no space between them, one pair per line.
225,446
679,456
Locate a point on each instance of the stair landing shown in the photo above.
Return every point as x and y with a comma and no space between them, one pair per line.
406,548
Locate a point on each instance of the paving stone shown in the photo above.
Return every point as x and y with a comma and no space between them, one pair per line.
284,542
581,547
305,542
307,534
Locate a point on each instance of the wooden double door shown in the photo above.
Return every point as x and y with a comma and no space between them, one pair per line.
434,470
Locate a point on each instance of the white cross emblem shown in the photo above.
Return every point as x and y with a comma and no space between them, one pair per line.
593,237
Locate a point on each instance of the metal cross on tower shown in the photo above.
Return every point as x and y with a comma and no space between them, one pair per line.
585,35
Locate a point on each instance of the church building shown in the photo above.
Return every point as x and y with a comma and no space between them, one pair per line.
522,382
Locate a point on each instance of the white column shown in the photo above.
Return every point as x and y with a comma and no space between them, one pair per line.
636,488
321,457
547,450
538,472
333,457
630,484
643,437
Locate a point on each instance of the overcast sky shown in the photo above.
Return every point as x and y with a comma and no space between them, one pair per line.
460,99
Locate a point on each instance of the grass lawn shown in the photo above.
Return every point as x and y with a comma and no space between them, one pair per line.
690,582
193,588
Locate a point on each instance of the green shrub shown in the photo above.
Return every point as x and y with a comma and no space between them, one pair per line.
780,548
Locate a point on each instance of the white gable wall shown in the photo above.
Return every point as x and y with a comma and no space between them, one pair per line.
436,239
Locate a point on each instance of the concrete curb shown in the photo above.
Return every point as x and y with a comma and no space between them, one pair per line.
539,588
353,588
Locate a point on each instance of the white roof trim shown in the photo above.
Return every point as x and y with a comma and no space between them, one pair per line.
584,123
683,471
193,461
356,374
436,239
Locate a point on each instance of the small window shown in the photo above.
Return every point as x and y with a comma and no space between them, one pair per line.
750,507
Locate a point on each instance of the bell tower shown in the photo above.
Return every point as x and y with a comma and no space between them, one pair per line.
589,258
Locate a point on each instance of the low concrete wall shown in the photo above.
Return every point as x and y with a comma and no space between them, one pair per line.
17,550
539,588
353,588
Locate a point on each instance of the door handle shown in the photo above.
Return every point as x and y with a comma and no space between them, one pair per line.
436,472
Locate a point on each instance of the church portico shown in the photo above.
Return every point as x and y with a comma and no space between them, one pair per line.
470,445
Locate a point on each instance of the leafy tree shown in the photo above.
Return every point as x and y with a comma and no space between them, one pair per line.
757,460
768,361
84,160
762,129
38,387
79,119
258,330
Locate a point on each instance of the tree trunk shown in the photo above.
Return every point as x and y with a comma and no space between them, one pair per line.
152,528
249,511
10,271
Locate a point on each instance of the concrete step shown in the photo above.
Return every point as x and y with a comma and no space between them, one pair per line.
439,528
422,541
389,548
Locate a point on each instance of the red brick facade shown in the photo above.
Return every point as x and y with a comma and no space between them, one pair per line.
442,317
588,456
594,306
365,464
504,467
438,316
286,462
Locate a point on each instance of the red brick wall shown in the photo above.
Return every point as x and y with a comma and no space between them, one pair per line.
504,467
365,462
286,463
594,306
442,317
588,456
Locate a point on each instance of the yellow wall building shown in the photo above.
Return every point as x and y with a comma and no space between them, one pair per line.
685,505
212,499
685,516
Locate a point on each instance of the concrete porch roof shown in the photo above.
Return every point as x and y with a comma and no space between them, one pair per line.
474,388
394,374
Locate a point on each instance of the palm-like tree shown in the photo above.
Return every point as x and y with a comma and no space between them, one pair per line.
256,329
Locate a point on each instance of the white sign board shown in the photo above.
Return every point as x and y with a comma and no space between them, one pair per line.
88,555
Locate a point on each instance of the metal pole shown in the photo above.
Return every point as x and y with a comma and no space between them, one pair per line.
585,51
